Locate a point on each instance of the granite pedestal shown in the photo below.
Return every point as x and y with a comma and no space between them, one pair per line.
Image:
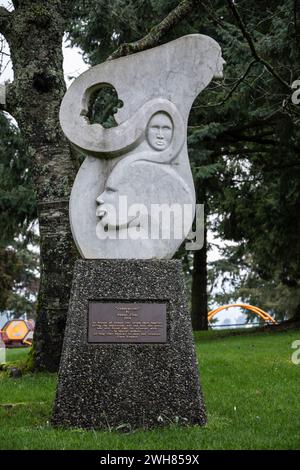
134,384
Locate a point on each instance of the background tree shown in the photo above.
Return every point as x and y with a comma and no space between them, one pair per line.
34,32
243,135
258,202
109,29
18,262
244,145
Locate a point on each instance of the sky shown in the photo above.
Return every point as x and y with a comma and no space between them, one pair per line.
73,66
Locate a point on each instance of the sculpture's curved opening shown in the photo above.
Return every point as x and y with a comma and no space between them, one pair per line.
103,105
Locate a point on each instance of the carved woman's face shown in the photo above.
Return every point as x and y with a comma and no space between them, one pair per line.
160,131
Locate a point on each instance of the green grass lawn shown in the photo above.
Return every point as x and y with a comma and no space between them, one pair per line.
16,354
251,390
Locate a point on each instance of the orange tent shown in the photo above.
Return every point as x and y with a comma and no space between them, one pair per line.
258,311
17,332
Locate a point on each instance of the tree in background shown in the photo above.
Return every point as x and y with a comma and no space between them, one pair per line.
34,30
243,134
243,141
253,129
109,29
19,280
237,130
18,261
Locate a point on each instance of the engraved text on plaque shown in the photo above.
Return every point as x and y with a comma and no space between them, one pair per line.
114,322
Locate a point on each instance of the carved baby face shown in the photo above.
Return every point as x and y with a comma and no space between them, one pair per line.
160,131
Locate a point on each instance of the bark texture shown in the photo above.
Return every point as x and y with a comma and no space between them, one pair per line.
35,40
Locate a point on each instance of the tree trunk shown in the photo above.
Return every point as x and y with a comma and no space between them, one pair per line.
199,282
35,40
296,316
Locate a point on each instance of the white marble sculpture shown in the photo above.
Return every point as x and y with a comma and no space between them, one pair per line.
143,160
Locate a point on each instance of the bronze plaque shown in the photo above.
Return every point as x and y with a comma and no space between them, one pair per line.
114,322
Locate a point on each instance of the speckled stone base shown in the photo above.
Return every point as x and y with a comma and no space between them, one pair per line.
128,386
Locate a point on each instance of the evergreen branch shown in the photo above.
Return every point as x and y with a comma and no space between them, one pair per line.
241,152
258,122
252,47
284,166
245,138
5,17
239,81
157,32
212,16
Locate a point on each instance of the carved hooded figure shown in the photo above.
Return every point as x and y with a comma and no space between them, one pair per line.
145,156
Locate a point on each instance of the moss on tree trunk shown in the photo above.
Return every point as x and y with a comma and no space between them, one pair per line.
35,39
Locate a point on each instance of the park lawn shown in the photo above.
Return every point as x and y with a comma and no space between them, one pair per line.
16,354
251,390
